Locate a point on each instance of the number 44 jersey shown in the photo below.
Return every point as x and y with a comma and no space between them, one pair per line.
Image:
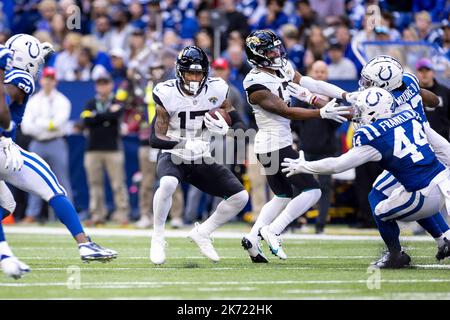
187,112
404,149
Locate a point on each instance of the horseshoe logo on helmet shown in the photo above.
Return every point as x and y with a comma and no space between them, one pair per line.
382,71
378,97
30,44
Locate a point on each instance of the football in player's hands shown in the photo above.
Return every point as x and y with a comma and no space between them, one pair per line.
222,112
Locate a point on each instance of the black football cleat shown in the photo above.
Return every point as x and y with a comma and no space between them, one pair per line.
255,253
393,260
443,251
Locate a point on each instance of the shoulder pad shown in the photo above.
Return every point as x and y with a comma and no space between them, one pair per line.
21,79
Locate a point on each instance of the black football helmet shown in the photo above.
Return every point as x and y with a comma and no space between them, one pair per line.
192,59
265,49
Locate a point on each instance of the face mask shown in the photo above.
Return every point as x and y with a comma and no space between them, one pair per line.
193,86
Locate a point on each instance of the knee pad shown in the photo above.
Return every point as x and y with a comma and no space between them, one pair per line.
375,197
168,185
315,194
240,198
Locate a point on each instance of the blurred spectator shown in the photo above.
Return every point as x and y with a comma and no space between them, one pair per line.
439,117
316,46
221,68
45,120
137,12
438,9
101,117
424,28
308,16
119,65
204,40
235,38
102,32
237,21
136,45
295,51
121,29
47,9
343,36
66,61
340,68
239,66
275,18
318,140
58,31
413,53
329,10
446,42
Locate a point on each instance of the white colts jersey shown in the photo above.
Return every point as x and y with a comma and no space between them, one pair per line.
274,131
187,112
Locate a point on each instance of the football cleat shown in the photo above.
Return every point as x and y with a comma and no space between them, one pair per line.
254,250
393,260
90,251
13,267
158,250
204,243
444,250
274,242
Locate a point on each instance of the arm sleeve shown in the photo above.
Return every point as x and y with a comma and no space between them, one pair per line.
321,87
351,159
440,145
158,143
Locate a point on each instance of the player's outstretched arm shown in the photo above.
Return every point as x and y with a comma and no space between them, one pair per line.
430,99
236,120
321,87
351,159
274,104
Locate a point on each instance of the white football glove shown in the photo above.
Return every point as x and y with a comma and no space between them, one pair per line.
333,112
197,146
351,97
300,93
293,166
13,157
6,58
48,49
218,126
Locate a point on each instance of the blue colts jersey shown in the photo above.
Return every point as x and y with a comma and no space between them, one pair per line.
24,81
408,96
404,148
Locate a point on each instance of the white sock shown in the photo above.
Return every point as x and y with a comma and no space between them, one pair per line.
440,241
446,234
295,208
269,212
162,201
226,210
5,250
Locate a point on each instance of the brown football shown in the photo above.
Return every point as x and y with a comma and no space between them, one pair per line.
222,112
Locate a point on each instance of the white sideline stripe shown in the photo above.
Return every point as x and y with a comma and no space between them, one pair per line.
184,233
168,283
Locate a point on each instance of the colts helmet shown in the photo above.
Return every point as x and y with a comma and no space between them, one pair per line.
373,104
265,49
192,59
29,53
382,71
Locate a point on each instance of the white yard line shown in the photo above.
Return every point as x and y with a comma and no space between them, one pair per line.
228,283
184,233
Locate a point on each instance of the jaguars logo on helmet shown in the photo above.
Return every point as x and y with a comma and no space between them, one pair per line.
265,49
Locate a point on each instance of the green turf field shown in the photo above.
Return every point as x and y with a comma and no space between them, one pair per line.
315,269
